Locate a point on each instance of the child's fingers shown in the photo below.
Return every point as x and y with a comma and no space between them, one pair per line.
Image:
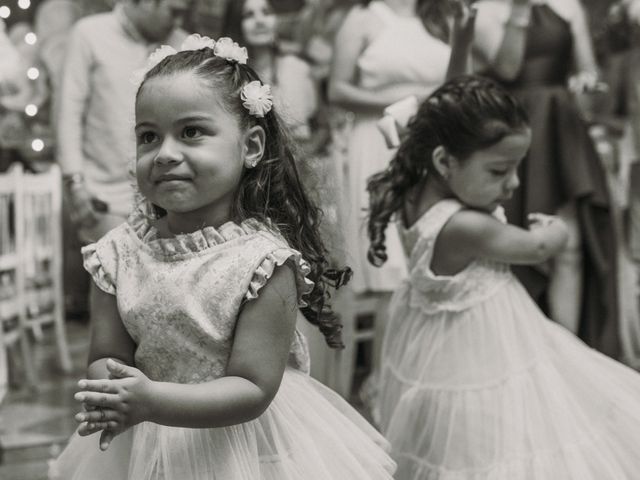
89,428
103,400
120,370
105,439
103,385
99,415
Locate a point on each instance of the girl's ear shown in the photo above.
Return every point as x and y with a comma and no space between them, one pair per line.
254,144
442,161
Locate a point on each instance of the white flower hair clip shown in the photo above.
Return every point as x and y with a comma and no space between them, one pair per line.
197,42
257,98
230,50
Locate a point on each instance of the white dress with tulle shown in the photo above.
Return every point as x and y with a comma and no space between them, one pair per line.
477,384
179,299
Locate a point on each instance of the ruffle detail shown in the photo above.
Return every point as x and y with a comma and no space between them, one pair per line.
93,265
278,258
194,242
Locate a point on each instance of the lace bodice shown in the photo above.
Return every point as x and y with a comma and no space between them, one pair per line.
179,297
434,293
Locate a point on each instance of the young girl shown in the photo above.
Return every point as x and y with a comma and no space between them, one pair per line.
476,383
194,342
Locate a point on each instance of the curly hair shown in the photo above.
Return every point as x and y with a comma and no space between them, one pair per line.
272,191
466,114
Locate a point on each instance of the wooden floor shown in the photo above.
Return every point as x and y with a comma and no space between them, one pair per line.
35,425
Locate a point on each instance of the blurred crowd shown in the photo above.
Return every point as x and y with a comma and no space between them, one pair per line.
65,96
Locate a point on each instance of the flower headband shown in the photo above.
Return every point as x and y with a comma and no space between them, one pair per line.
256,97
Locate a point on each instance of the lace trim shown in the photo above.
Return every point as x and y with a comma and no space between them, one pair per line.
275,259
195,241
93,265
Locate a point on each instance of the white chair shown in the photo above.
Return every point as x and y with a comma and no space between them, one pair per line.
14,329
31,291
42,253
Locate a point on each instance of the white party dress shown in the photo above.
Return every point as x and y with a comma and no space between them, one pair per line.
179,299
477,384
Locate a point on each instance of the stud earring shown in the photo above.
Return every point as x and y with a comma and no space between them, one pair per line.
251,163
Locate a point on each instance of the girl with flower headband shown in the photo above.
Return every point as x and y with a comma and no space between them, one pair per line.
197,370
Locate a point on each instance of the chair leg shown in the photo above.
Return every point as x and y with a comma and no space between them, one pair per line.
30,371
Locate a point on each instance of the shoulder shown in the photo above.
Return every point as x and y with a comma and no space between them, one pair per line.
360,20
87,25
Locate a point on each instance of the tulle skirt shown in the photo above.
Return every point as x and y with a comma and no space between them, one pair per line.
308,432
498,392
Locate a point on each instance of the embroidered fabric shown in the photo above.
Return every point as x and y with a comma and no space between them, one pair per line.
190,288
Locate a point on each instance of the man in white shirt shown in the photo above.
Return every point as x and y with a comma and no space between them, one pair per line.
96,145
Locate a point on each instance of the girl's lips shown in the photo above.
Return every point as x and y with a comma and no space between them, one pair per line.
171,178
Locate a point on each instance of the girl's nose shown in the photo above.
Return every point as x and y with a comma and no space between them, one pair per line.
513,181
169,153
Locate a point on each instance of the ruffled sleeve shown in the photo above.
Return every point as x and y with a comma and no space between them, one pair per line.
275,259
99,267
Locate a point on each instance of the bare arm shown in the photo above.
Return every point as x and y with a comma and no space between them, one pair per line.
109,338
504,56
471,234
582,48
461,41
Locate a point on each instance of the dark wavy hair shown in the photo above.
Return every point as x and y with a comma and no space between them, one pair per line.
272,191
466,114
434,14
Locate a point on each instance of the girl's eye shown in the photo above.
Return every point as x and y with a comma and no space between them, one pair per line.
146,137
499,173
191,132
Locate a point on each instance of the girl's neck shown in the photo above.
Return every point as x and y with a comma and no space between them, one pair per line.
423,197
181,223
404,8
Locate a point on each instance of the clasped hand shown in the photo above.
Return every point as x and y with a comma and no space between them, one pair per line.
115,404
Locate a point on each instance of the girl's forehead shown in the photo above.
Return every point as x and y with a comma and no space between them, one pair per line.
178,92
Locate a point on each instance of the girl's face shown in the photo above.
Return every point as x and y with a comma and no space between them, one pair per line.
258,23
489,176
189,148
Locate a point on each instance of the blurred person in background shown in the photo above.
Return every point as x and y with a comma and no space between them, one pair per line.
536,48
95,146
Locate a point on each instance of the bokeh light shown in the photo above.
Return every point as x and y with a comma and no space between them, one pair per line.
37,145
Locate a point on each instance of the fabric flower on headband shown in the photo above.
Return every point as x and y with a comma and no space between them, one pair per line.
197,42
257,98
230,50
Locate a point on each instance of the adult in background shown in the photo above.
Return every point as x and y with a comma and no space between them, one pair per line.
95,147
533,47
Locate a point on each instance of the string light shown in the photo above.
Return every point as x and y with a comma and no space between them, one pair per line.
30,38
31,110
33,73
5,11
37,145
24,4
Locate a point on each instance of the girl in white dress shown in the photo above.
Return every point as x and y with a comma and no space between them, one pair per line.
476,383
197,370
